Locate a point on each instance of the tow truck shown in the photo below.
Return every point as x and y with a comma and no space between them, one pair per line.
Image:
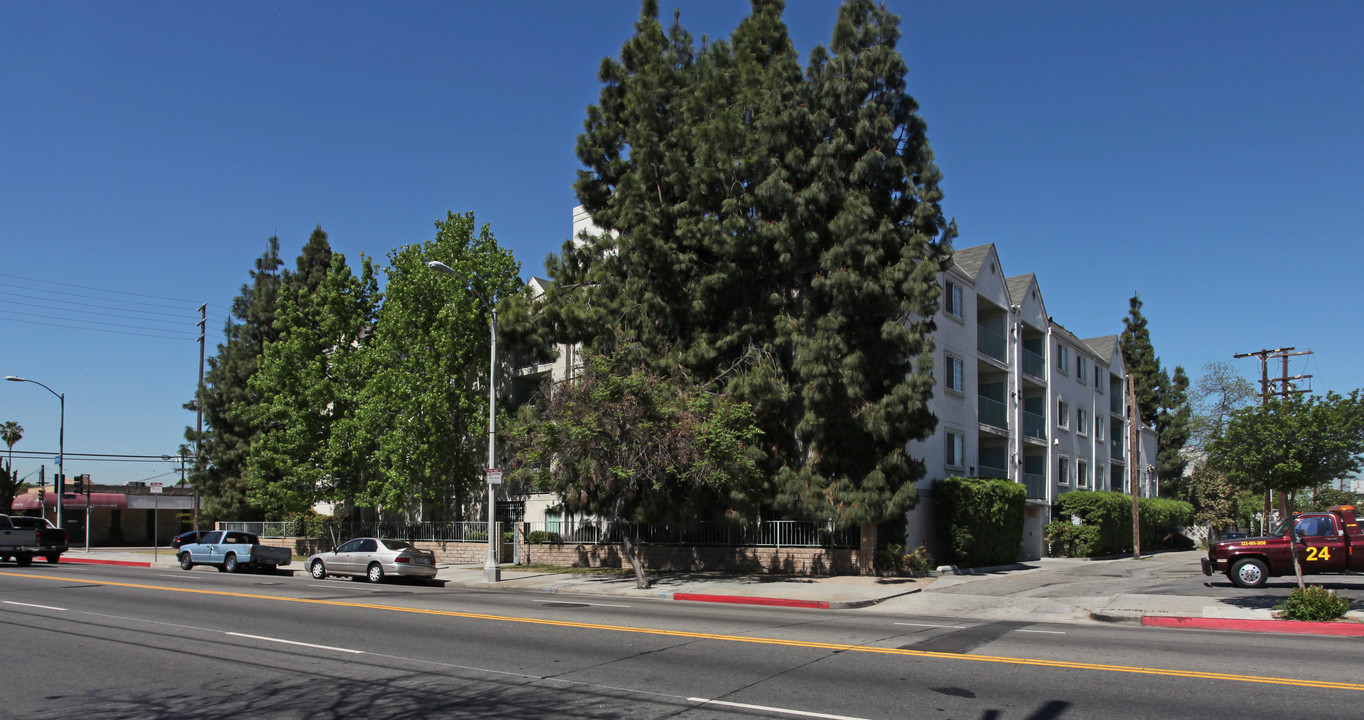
1327,543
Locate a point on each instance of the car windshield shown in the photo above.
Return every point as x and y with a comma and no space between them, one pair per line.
397,544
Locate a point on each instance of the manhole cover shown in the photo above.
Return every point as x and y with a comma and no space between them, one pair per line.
565,605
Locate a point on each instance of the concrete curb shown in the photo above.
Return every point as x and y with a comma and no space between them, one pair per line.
1295,627
93,561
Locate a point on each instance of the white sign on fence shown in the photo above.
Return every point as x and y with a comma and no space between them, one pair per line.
156,488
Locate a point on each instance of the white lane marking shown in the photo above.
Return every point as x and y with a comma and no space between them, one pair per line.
44,607
950,627
767,708
1047,632
294,642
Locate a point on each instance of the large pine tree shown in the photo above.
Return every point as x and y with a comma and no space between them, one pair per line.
1163,401
778,237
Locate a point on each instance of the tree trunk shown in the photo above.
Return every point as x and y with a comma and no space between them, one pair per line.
866,554
1292,539
627,548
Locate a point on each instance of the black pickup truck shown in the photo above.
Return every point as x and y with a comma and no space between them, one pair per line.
51,539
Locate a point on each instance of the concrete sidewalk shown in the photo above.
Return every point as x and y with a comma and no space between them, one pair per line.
1013,593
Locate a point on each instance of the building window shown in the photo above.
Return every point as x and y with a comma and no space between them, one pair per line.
1081,474
956,450
1062,358
953,299
1063,471
1082,421
1062,413
1081,370
1098,377
1099,428
1099,482
955,374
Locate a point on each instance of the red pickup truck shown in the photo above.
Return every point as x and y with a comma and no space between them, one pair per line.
1327,542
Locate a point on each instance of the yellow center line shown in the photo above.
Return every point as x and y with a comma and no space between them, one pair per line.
841,647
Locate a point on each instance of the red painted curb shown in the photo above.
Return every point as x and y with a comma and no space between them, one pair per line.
745,600
92,561
1298,627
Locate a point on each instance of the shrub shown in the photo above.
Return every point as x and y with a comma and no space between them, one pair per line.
476,536
1066,539
980,519
1110,513
1316,604
543,537
898,560
509,536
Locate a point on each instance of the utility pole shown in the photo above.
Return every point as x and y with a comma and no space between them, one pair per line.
199,408
1283,391
1134,463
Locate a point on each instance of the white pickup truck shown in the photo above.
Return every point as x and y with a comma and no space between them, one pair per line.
232,550
18,542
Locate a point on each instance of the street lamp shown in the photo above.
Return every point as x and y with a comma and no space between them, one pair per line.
491,572
61,443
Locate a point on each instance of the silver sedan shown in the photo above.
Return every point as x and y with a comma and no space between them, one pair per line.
374,559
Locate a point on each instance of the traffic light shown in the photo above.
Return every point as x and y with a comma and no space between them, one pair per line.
78,484
85,482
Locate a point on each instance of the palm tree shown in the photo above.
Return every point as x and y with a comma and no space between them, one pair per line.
11,432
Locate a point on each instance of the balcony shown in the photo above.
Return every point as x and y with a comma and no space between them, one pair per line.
1115,450
1037,486
993,472
1034,425
1115,404
993,412
1034,364
990,343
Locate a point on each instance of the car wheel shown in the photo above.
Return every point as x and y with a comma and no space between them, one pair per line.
375,573
52,558
23,560
319,570
230,563
1248,573
185,562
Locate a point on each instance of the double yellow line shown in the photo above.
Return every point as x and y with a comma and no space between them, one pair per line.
1164,672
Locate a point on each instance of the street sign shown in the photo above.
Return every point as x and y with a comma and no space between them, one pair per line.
494,476
156,488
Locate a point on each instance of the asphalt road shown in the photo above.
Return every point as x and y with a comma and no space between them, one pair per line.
97,642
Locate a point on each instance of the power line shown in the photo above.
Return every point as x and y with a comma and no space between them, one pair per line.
85,287
90,329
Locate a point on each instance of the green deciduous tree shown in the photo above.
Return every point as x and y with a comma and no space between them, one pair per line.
1219,392
1289,445
309,382
780,235
625,444
422,410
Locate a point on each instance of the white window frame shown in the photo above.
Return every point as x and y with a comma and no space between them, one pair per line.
954,297
1098,377
955,442
1081,421
952,361
1081,473
1099,477
1062,413
1063,470
1099,422
1062,358
1081,372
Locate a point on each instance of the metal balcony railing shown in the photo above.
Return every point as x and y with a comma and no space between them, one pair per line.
993,412
1034,425
1034,364
990,343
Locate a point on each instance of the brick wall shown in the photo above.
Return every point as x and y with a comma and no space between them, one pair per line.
677,558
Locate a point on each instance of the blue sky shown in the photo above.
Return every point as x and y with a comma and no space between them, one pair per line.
1206,155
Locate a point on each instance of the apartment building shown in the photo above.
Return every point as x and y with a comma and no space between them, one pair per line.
1020,397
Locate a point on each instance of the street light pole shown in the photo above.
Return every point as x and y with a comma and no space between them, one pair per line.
61,442
491,571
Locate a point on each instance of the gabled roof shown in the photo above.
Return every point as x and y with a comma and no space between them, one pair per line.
1018,287
970,259
1105,346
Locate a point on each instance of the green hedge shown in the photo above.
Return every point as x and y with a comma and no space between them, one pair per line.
543,537
1110,516
980,519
